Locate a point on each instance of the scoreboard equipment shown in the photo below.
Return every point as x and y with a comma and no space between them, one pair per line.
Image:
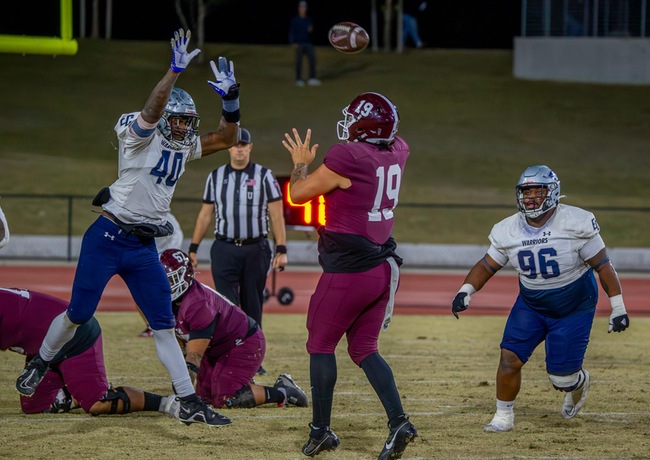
306,216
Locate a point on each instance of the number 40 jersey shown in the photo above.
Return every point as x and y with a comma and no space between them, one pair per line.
149,168
551,257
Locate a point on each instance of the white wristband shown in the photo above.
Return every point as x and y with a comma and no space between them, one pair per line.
467,288
617,304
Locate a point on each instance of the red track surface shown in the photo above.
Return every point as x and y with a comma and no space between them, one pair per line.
419,293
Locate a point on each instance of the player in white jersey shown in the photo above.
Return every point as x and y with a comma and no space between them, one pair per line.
4,230
154,146
555,248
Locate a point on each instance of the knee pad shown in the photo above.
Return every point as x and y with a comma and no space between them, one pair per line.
113,395
243,398
567,383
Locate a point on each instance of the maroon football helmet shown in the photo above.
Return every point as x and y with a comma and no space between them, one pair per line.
179,271
370,117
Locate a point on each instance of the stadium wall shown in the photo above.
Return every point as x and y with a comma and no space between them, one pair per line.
587,60
306,253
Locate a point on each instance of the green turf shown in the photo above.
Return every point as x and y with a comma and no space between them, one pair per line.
445,371
471,126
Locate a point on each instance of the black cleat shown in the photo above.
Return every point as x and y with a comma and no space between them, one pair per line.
261,371
397,440
314,446
199,412
31,376
294,394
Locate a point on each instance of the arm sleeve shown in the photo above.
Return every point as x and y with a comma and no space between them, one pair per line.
592,247
208,192
271,187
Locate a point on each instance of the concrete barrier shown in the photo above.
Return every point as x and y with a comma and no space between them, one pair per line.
306,253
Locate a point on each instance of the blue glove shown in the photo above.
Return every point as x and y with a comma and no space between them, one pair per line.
460,303
224,79
180,57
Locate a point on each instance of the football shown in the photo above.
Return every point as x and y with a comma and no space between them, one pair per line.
348,37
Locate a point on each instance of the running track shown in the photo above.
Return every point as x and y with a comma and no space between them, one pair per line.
419,292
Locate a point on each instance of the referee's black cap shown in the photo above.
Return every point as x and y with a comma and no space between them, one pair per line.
244,136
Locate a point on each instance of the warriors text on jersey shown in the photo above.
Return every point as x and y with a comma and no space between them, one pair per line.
550,259
149,168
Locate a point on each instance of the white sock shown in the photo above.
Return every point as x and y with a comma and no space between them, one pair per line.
60,332
171,356
505,406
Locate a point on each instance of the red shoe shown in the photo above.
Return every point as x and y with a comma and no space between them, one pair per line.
148,332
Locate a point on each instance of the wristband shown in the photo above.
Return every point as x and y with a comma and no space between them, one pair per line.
231,117
194,247
616,302
467,289
280,249
192,367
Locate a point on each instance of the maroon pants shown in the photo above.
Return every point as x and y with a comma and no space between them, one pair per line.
348,303
84,375
221,377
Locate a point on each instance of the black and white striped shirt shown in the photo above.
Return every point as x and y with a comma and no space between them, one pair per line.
240,199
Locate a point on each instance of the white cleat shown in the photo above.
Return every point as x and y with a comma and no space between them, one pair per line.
574,400
502,421
172,407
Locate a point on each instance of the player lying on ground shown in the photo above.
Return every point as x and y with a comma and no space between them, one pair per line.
224,347
77,373
556,249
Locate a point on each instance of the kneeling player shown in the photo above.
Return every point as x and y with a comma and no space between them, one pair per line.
77,376
224,347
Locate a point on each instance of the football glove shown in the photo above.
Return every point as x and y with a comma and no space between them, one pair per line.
225,83
180,57
618,320
461,301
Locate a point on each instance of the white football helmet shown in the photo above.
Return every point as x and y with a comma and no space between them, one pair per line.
538,176
180,104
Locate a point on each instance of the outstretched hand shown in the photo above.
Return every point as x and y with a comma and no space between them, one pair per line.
224,78
180,57
300,151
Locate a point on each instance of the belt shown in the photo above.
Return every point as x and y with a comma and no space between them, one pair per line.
240,241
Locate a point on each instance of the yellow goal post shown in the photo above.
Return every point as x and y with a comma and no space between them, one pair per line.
22,44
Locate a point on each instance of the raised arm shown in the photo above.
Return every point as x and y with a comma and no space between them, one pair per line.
155,105
225,84
303,186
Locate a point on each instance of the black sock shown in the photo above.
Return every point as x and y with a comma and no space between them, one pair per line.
381,378
323,374
151,401
273,395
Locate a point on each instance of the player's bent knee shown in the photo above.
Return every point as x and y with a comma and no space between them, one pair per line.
243,398
567,383
110,403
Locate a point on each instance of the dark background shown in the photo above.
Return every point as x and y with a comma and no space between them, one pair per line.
444,24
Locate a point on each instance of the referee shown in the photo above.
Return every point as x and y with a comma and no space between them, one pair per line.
241,196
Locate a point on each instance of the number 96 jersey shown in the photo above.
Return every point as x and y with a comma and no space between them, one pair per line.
550,257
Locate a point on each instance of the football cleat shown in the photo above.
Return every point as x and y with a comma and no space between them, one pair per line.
261,371
398,439
62,404
574,400
292,392
314,446
148,332
31,376
172,406
199,412
502,421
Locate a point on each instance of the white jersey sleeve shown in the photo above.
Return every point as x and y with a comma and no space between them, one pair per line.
551,256
4,230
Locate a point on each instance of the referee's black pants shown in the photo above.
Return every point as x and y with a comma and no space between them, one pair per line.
240,272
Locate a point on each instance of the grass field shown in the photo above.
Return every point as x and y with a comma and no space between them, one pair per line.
445,372
471,126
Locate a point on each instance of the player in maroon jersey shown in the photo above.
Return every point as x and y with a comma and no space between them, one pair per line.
224,347
360,179
77,373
